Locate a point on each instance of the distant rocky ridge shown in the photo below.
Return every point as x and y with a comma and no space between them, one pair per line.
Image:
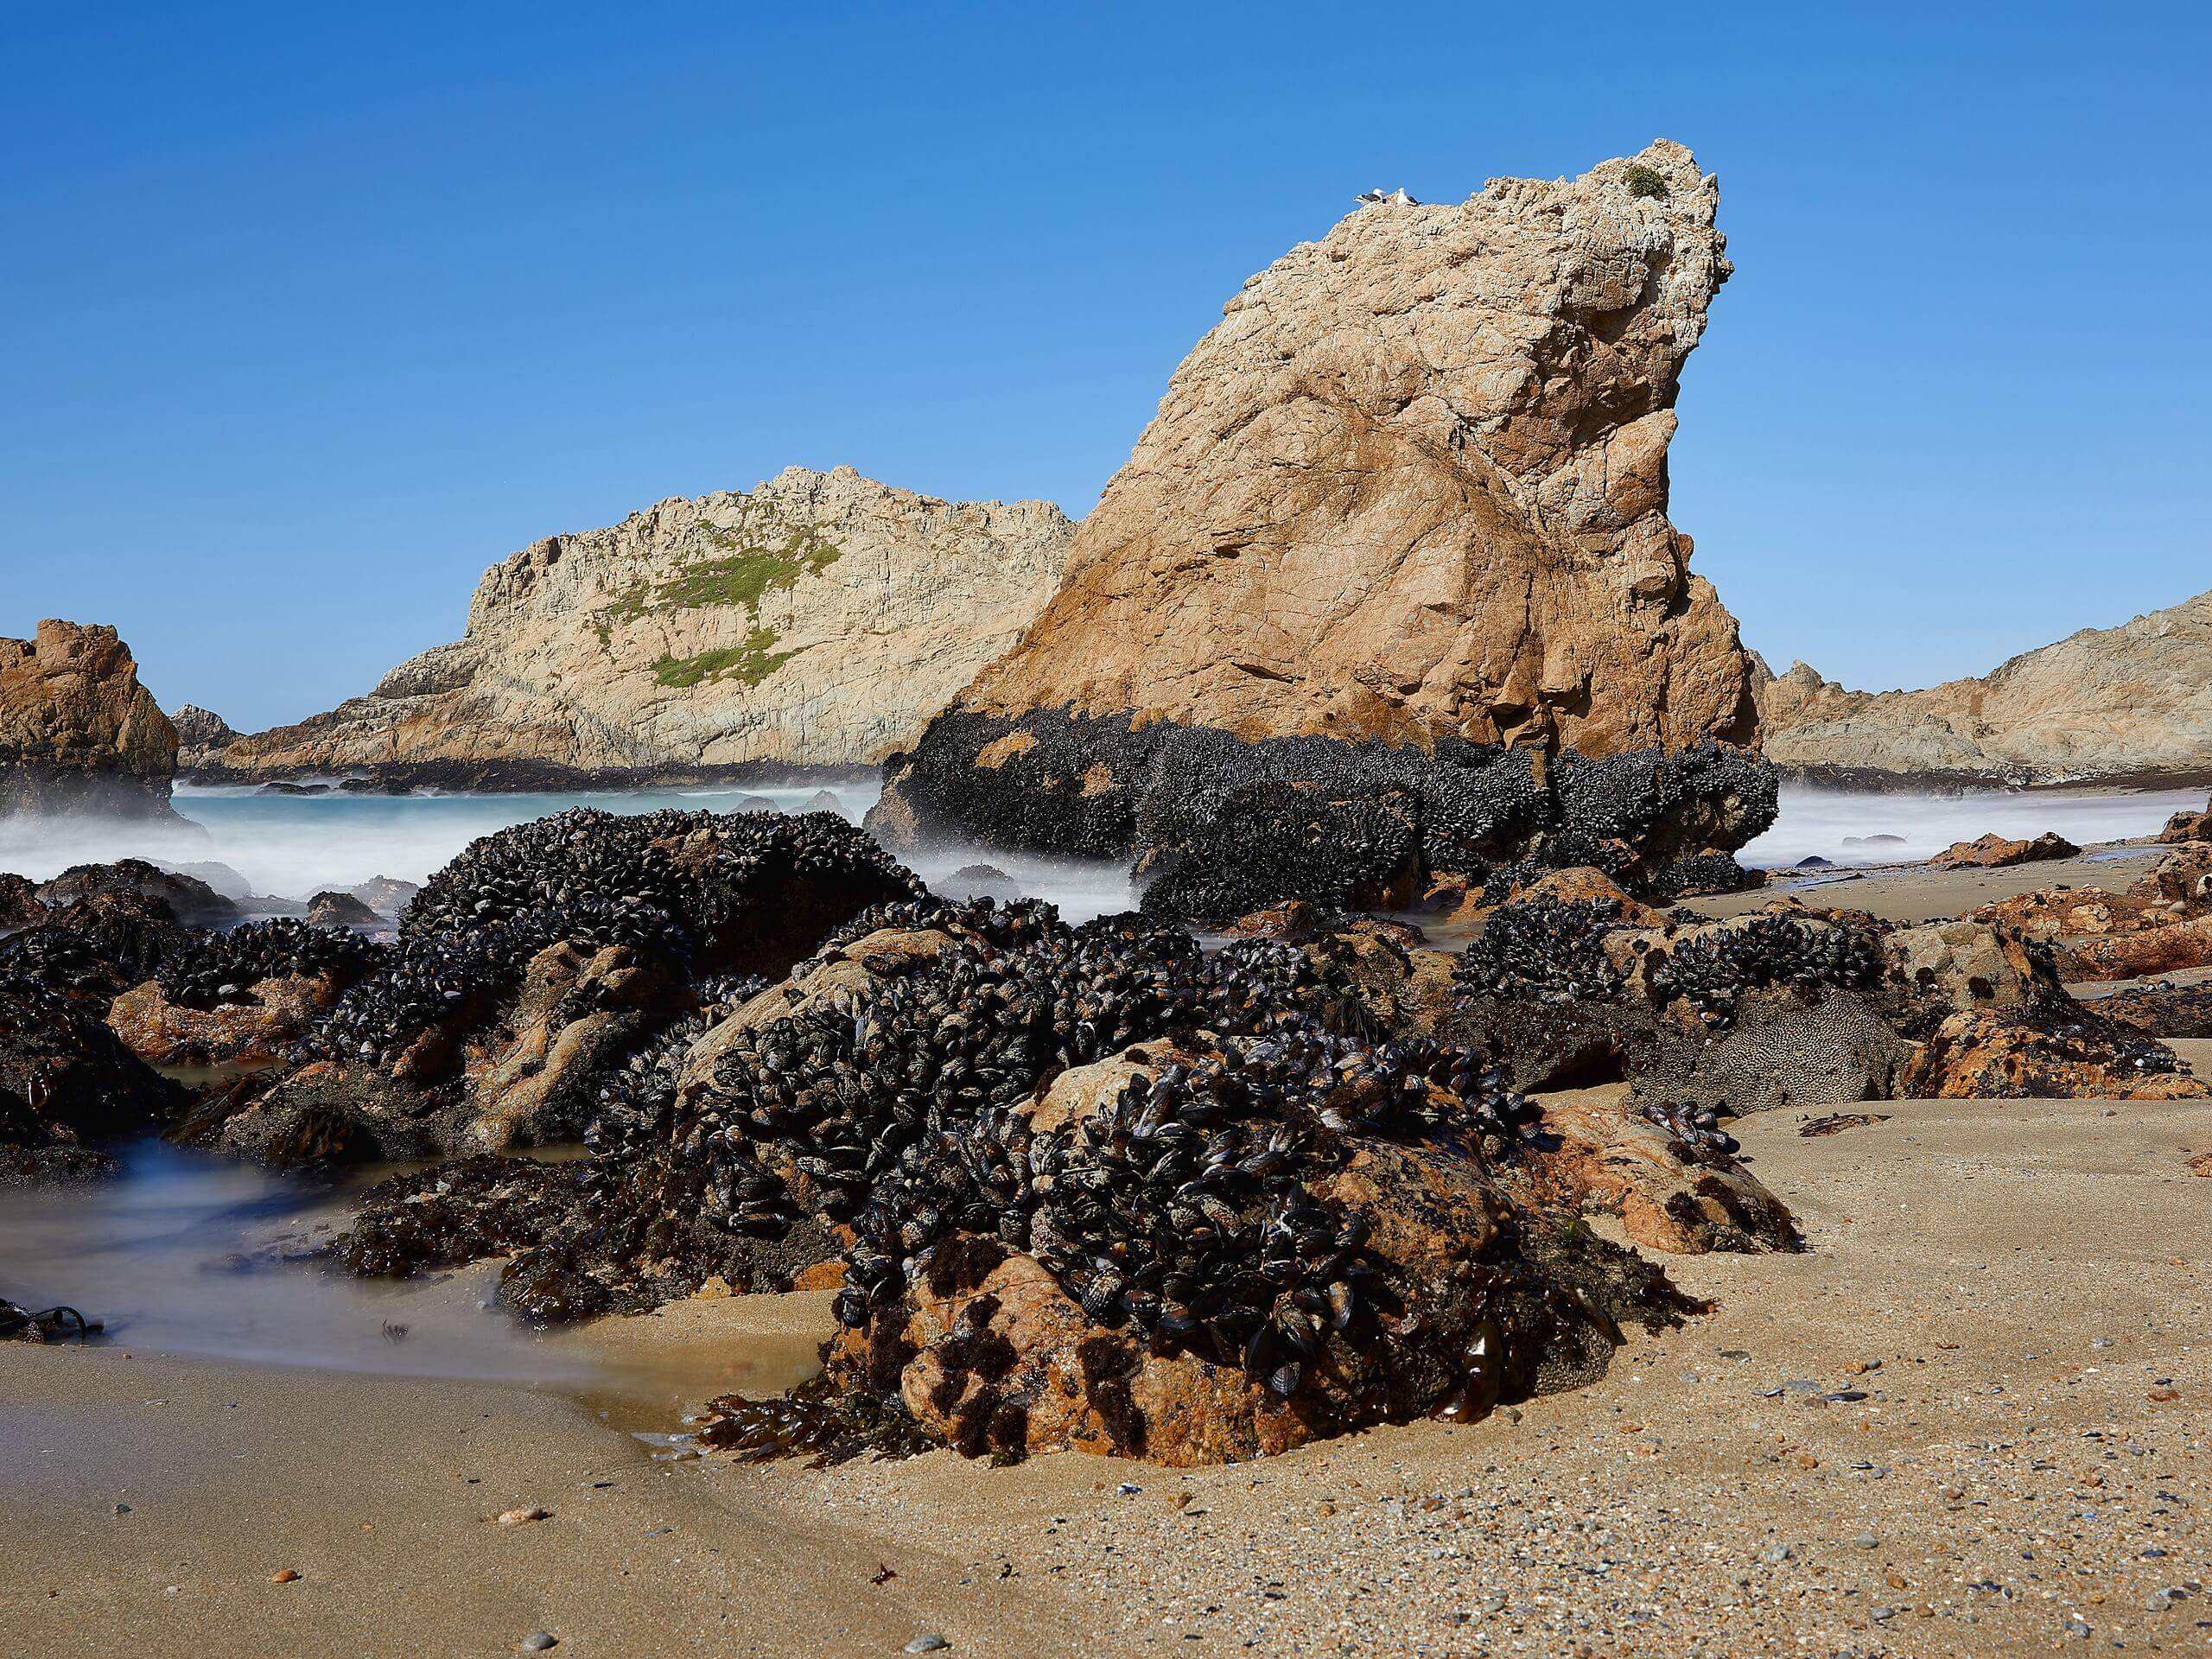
201,734
2102,705
78,733
1409,495
818,619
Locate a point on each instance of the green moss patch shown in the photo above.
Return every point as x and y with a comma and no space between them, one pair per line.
749,663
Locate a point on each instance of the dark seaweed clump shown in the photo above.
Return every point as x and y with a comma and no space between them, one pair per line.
220,968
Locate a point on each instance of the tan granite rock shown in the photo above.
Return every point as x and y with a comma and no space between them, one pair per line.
1415,484
2127,701
819,619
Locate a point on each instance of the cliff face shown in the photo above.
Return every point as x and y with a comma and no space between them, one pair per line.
77,730
819,619
2105,703
1413,484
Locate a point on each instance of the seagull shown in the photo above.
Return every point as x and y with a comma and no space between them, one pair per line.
1366,196
1399,199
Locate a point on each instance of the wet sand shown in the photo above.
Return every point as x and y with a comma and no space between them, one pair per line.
2016,1288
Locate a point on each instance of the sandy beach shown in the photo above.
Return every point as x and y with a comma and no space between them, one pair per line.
1953,1424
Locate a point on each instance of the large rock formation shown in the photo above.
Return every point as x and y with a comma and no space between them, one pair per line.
1414,485
78,733
818,619
1409,495
201,735
2106,703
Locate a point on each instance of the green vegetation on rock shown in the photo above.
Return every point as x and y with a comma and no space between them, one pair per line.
1643,181
749,663
750,567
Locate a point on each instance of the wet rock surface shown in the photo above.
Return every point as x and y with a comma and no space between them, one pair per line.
1994,852
78,733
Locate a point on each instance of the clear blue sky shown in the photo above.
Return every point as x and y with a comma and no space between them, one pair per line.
308,313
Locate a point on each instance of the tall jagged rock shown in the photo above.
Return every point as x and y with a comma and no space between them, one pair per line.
78,733
1409,494
818,619
2102,704
1414,485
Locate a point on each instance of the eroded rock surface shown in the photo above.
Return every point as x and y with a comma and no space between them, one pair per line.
78,733
1397,533
2122,702
819,619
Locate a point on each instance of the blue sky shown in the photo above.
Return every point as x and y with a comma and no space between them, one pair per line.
308,315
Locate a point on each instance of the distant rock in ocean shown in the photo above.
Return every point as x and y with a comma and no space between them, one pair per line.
78,733
1410,496
816,620
2105,704
200,734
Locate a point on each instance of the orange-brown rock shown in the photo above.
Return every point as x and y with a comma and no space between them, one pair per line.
19,903
2012,1054
77,730
2136,953
1415,484
250,1032
1994,852
1608,1159
2189,826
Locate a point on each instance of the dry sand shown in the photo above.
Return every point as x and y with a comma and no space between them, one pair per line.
2017,1289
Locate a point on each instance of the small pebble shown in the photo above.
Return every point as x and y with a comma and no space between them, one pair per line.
284,1575
927,1644
538,1641
522,1518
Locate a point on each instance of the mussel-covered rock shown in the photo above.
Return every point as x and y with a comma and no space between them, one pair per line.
242,997
190,900
91,949
1223,827
19,903
2048,1052
2162,1010
68,1087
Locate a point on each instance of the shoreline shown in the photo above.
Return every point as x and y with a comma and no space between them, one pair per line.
1928,1376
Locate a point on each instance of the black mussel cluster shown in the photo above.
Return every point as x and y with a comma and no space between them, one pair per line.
1226,827
1181,1209
710,892
2163,1010
1696,1127
703,878
1551,949
223,967
902,1112
1712,970
93,948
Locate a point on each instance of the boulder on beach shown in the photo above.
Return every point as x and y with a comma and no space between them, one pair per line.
1994,852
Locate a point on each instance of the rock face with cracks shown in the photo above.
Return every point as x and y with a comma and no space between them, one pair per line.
78,733
1401,516
819,619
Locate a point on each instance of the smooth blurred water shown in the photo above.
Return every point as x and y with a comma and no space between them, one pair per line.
167,1256
1816,822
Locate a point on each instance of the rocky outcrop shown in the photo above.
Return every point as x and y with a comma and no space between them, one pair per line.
818,619
200,736
1408,497
78,733
2132,701
1414,485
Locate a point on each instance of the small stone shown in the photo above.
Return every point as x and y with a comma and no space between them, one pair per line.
931,1643
283,1575
538,1641
123,1508
522,1518
1866,1541
1884,1614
